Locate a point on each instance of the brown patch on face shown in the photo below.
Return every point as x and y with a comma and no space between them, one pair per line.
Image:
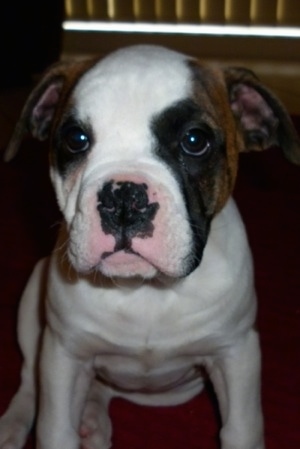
46,103
71,76
210,93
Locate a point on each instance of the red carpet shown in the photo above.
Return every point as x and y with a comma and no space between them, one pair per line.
268,193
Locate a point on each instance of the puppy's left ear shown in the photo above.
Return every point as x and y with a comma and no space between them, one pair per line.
39,111
263,119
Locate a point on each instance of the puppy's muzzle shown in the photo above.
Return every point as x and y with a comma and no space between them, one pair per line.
125,212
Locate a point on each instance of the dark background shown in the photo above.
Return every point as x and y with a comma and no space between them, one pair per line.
30,38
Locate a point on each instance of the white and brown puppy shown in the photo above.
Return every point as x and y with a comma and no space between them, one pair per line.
151,278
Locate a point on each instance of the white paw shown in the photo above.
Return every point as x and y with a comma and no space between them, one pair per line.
13,433
95,429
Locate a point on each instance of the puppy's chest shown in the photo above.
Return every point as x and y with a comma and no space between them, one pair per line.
141,341
144,332
151,351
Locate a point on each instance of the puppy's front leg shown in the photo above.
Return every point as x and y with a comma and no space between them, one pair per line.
64,383
236,377
17,421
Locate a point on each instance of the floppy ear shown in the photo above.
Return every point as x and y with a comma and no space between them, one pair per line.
39,110
263,119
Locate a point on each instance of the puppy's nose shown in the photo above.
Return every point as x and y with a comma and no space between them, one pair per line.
125,210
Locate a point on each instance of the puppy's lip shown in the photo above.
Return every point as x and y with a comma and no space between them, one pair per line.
124,257
126,263
107,254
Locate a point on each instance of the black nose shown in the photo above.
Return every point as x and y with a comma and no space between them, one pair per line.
125,211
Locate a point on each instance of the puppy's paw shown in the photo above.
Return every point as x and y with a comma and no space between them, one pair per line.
13,433
95,429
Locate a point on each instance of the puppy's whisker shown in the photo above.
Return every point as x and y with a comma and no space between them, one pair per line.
57,224
63,245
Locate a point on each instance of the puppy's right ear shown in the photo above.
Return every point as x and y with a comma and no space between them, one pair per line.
39,110
262,118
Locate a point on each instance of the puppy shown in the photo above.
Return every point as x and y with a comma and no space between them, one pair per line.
151,278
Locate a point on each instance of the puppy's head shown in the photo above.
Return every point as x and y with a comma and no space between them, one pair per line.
144,149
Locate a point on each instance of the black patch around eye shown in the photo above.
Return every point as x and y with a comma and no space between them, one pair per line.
185,140
194,150
71,144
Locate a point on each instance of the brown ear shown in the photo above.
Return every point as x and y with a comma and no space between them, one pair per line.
263,119
38,113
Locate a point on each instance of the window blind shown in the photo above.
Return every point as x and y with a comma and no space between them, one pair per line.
256,12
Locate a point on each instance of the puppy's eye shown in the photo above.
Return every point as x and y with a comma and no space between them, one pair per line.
195,142
76,140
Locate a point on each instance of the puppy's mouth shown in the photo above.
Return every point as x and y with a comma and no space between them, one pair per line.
126,263
122,250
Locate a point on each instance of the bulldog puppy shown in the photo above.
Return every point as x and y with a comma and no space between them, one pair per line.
151,279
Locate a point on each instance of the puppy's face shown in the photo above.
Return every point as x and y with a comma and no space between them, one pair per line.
141,164
144,150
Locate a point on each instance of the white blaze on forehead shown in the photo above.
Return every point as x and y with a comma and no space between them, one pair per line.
120,95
